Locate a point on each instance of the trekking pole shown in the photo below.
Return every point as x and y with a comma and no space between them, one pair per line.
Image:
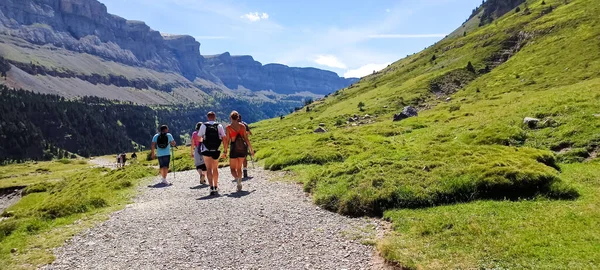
252,161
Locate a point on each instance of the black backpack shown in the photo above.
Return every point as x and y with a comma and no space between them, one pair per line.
212,140
162,141
239,146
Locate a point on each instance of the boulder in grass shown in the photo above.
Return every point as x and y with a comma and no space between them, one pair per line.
407,112
321,124
320,130
531,122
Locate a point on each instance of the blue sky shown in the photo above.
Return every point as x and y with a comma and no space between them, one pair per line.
352,38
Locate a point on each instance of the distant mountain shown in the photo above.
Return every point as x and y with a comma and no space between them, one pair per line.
75,48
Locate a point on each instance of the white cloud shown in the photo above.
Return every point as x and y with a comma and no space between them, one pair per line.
330,61
407,36
255,16
364,70
388,10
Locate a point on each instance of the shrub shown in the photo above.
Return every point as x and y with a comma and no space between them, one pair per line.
37,188
7,227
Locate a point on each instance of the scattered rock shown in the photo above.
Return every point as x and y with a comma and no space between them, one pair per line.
531,122
448,99
597,115
295,128
351,120
13,250
321,124
407,112
367,116
320,130
385,107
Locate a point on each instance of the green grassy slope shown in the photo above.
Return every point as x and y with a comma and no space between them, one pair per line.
473,147
61,198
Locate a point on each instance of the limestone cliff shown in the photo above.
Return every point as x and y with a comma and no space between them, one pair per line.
85,27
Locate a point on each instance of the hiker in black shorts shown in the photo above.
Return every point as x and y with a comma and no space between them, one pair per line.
211,136
245,170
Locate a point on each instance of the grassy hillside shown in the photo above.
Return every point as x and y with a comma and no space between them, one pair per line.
61,198
468,159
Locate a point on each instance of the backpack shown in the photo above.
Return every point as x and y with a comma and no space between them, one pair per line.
162,141
212,140
239,145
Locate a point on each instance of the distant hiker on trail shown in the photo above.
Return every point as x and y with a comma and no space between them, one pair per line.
238,137
211,136
162,143
123,159
197,154
246,157
118,160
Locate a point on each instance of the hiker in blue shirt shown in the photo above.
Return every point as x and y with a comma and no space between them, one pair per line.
162,143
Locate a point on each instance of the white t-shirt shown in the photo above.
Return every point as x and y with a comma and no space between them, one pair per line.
202,132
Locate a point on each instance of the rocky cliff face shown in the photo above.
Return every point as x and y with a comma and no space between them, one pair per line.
85,26
493,9
244,71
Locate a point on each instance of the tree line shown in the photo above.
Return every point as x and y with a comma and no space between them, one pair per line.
37,126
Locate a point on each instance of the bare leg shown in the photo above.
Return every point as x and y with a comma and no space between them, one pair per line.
215,169
164,172
209,170
239,167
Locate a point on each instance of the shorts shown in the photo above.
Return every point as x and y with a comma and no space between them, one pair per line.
199,161
212,154
164,161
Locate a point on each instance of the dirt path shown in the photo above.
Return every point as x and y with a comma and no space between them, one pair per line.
270,225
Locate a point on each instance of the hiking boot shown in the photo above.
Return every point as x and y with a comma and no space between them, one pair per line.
239,184
212,191
216,191
245,173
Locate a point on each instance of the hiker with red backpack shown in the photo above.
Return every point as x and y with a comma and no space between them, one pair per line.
211,136
237,136
161,149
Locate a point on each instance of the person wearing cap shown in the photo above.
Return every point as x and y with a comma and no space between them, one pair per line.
211,136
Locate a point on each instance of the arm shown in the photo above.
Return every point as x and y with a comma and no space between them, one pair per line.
172,141
153,155
193,146
248,143
225,142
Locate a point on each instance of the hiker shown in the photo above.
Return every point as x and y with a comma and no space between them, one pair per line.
197,154
118,160
245,170
162,143
123,159
238,137
211,136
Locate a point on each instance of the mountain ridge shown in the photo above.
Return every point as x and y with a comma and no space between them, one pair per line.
84,27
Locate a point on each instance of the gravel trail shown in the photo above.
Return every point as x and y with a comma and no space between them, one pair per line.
270,225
